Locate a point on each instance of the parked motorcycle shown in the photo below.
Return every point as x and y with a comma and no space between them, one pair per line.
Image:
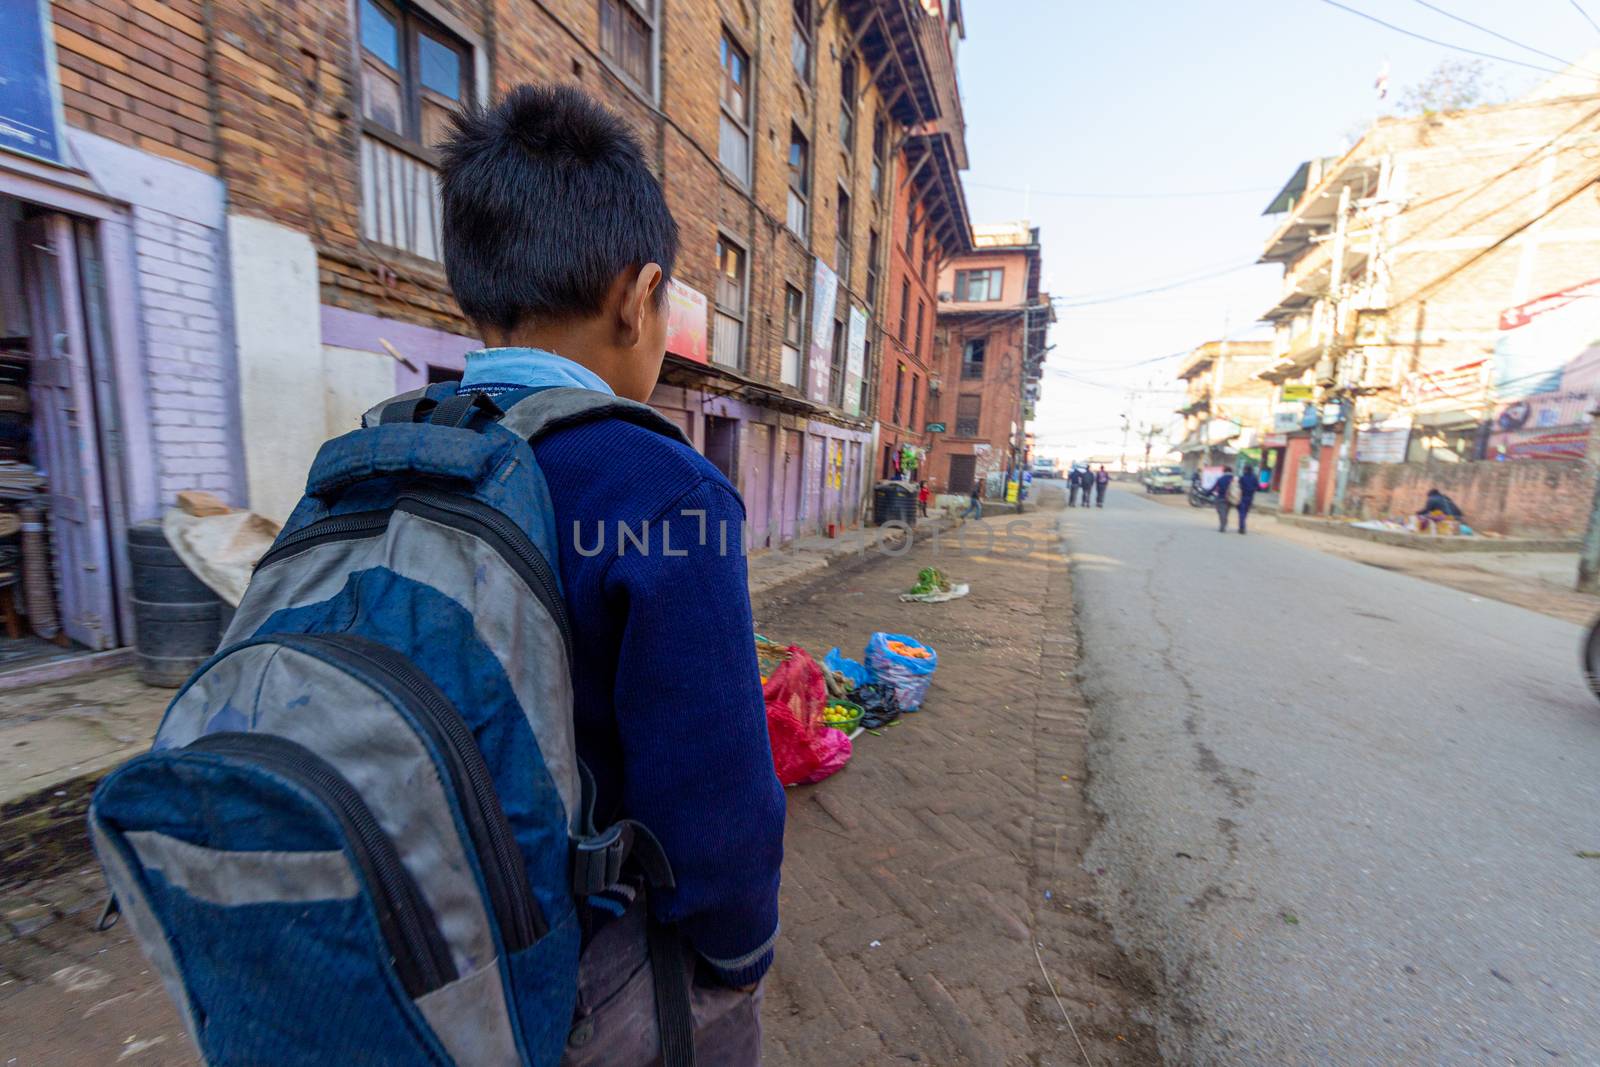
1201,498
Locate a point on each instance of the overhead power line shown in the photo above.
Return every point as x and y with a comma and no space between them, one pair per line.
1441,44
1067,305
1579,8
1496,34
1079,195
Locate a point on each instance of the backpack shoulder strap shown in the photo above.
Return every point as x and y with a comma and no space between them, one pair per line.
548,410
438,391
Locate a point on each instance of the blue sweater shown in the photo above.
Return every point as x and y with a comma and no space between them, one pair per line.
669,711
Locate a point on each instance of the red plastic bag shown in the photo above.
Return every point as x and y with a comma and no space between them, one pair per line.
804,747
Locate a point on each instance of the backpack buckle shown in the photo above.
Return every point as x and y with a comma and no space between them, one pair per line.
597,860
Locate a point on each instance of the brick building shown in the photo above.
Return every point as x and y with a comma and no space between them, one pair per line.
1434,292
989,352
237,204
1227,406
930,227
116,372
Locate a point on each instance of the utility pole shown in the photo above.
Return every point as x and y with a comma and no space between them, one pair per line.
1124,461
1589,558
1149,440
1343,459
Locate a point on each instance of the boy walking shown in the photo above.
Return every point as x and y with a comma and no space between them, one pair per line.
559,246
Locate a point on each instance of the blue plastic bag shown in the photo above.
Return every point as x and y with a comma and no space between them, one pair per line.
853,672
909,676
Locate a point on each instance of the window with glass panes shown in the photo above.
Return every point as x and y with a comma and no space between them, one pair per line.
872,268
733,139
880,154
841,252
847,105
800,39
414,74
727,337
799,181
973,355
922,312
794,317
905,309
627,31
978,286
899,390
916,388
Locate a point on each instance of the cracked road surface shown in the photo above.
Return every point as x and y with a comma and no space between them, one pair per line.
1351,816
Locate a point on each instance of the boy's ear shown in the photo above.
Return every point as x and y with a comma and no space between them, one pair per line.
638,300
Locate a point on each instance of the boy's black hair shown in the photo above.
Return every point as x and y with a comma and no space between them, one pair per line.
547,199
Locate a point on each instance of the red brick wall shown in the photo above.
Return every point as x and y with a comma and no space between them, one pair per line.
135,71
1528,498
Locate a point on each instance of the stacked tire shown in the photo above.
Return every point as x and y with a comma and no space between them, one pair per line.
178,620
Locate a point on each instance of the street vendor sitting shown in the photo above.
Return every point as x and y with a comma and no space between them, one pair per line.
1439,507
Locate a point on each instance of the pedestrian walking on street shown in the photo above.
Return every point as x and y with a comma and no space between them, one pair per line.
1248,484
1101,480
974,502
1073,484
922,498
1225,491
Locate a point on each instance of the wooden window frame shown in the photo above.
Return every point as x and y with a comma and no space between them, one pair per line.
744,123
647,12
409,19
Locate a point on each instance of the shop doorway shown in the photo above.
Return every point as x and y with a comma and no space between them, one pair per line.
62,513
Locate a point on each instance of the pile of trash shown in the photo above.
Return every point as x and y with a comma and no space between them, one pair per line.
815,711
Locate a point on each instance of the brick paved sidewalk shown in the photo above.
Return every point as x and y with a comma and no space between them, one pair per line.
919,881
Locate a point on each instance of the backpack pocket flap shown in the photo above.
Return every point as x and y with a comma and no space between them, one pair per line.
410,449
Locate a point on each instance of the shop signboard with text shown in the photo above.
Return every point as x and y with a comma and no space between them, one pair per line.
686,321
855,361
819,365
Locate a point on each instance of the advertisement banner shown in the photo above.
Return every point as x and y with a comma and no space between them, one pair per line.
824,294
30,104
686,321
1457,388
1299,394
1549,344
855,361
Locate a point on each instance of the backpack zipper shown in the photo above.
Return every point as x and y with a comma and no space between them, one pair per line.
505,878
421,957
350,527
514,545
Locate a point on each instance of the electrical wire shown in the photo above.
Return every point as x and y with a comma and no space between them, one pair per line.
1073,195
1586,17
1064,304
1500,36
1441,44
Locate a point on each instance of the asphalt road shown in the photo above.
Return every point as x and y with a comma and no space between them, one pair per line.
1344,807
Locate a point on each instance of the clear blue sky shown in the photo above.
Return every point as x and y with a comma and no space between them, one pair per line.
1168,97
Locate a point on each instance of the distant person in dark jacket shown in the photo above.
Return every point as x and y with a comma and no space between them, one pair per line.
1248,484
1073,484
1101,480
1219,492
1440,504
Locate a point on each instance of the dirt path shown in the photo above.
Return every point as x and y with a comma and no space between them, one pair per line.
921,879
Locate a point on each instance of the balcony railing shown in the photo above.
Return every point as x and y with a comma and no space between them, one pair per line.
400,204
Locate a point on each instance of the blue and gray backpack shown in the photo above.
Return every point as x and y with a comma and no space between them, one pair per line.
363,834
